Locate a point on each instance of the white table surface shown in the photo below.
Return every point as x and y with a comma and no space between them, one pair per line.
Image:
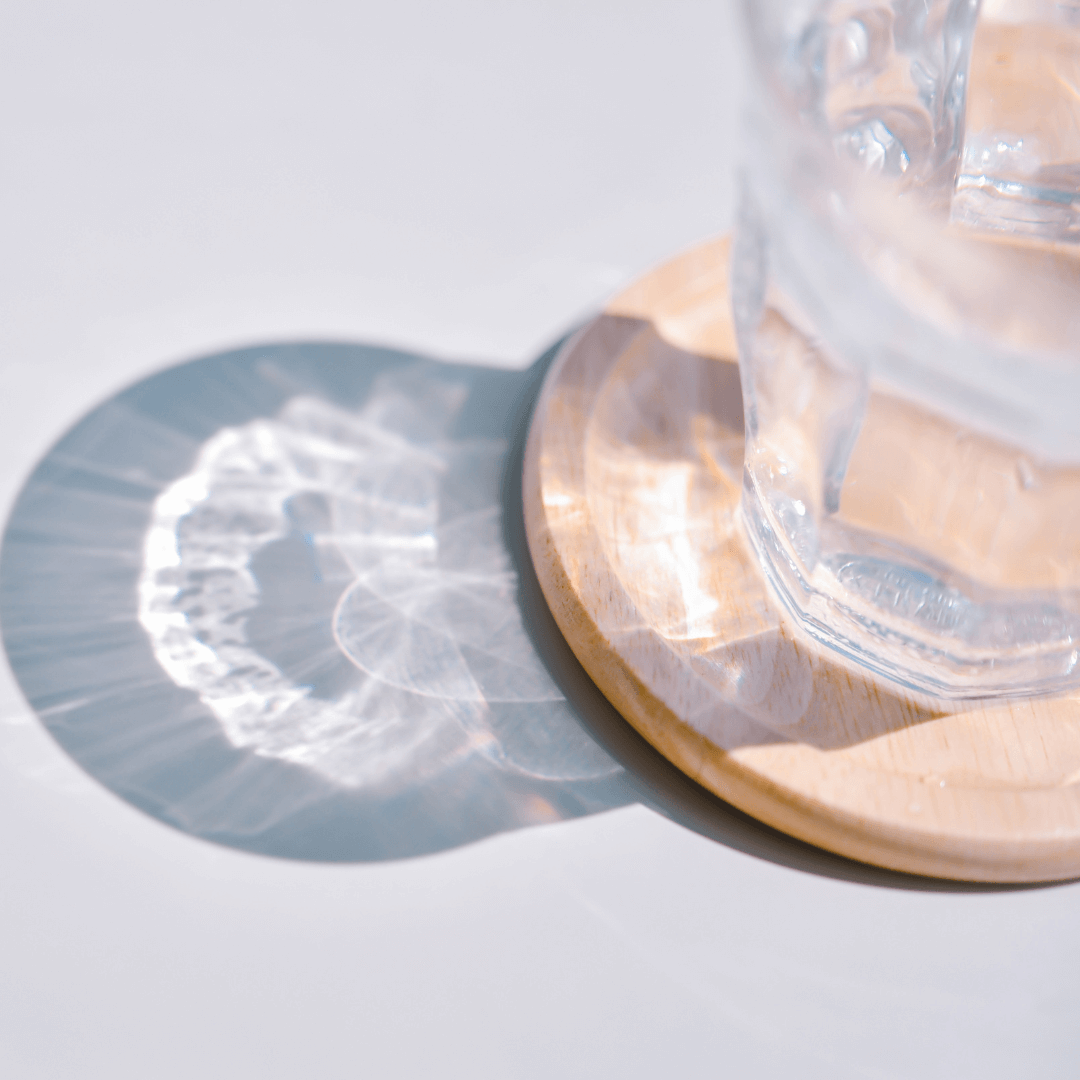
463,180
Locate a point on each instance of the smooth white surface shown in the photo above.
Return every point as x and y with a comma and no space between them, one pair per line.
463,179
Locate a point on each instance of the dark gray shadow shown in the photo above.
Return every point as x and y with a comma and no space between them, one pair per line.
430,770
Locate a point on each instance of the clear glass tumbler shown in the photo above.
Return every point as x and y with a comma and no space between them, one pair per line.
906,289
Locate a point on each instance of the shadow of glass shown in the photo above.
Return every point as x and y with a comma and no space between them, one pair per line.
280,599
265,597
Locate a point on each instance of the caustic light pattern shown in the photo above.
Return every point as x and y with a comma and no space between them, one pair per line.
404,526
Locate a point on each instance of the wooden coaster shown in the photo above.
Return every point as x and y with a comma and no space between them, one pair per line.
631,488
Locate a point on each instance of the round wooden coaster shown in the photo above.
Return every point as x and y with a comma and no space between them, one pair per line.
631,489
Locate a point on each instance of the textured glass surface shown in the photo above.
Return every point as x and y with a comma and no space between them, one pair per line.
910,338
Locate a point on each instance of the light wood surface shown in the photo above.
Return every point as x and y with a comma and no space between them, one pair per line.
632,480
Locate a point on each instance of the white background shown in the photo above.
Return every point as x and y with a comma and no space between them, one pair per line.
466,180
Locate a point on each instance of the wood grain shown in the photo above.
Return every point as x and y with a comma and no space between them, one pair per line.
631,486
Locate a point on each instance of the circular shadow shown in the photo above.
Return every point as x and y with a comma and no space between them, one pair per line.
265,596
280,598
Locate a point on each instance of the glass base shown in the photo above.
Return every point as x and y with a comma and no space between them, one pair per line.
894,612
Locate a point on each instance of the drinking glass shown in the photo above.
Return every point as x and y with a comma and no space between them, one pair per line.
906,292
